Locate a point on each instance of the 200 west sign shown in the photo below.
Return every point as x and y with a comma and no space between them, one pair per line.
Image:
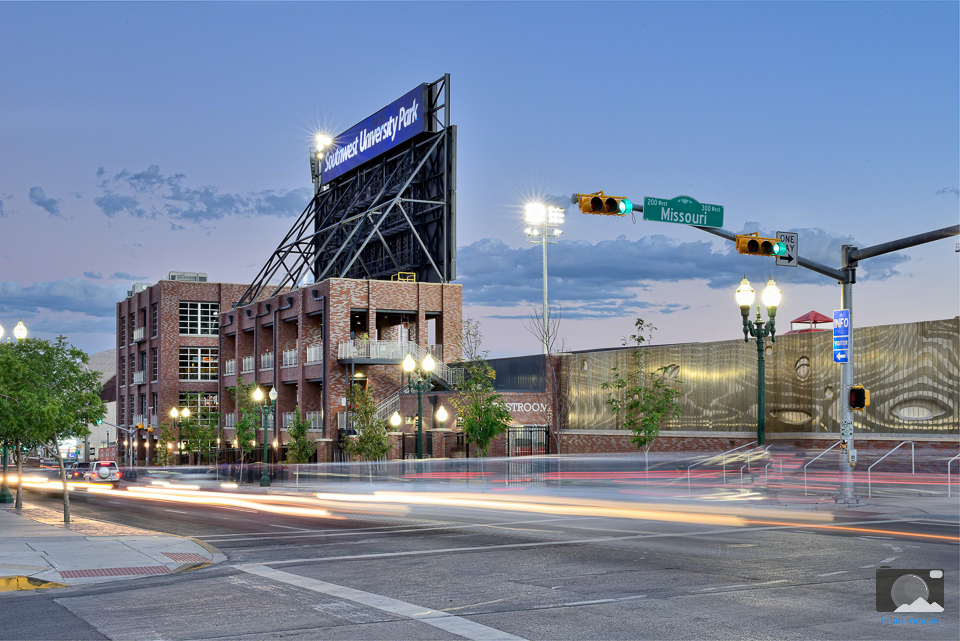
396,123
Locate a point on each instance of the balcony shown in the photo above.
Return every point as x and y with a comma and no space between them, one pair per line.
246,365
230,367
289,358
266,361
229,420
392,352
315,354
138,421
139,377
315,419
139,334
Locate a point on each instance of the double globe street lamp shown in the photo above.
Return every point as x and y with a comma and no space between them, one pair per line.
419,377
258,398
759,330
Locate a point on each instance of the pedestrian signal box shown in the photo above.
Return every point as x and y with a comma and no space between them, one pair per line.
859,397
600,203
753,245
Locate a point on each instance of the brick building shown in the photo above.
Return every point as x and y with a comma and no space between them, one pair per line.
168,352
311,342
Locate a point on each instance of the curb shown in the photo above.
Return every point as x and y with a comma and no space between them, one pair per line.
17,583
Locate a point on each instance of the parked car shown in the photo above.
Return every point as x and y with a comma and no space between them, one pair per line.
77,470
103,472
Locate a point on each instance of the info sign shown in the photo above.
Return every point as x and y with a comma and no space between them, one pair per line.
841,336
394,124
683,210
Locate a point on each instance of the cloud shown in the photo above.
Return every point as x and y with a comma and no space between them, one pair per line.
112,204
613,277
94,275
153,191
40,199
65,295
949,190
3,214
126,276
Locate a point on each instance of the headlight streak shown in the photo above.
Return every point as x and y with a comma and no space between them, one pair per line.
219,499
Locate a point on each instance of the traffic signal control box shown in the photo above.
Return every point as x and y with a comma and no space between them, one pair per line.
599,203
859,397
753,245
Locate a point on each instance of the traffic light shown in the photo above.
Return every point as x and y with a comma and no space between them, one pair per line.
753,245
599,203
99,421
859,397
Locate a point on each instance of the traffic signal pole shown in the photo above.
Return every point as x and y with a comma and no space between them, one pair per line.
846,276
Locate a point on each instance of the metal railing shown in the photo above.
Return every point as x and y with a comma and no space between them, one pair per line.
315,353
246,365
139,334
315,419
139,377
913,464
266,360
948,472
287,419
397,351
388,406
230,367
811,461
289,358
229,420
723,458
138,419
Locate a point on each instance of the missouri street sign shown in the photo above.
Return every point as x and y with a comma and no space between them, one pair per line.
683,210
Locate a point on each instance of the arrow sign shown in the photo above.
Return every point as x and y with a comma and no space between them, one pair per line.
841,336
792,257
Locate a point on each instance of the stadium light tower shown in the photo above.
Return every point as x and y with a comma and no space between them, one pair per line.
321,142
544,229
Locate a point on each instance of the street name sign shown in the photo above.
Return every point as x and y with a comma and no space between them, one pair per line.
683,210
792,256
841,336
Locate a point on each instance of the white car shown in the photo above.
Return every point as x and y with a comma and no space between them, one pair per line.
103,472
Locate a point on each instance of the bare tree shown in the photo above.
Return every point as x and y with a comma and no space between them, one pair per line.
469,341
555,403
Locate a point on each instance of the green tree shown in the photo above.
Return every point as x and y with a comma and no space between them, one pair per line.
198,431
247,420
166,442
481,410
372,441
47,395
301,446
642,402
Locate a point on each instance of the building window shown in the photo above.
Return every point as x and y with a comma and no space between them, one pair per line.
123,372
154,320
143,361
199,319
204,406
131,407
133,325
133,366
122,334
120,408
199,363
153,407
143,404
155,374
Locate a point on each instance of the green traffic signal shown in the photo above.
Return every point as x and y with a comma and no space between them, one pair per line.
625,206
99,421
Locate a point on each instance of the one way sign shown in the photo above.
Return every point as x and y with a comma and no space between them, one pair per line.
792,257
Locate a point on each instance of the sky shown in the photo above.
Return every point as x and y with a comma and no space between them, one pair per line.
143,138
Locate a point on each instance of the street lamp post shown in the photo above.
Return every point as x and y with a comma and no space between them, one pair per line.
419,378
759,330
544,230
6,497
178,415
258,397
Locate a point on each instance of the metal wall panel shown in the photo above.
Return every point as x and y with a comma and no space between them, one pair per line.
911,370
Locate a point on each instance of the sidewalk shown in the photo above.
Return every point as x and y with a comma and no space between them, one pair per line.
38,550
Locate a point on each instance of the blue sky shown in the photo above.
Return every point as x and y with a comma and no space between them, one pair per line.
141,138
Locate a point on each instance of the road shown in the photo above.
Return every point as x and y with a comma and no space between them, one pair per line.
519,565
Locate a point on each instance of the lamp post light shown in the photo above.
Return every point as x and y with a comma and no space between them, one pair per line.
178,415
441,416
544,229
6,497
419,378
395,419
258,397
759,330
